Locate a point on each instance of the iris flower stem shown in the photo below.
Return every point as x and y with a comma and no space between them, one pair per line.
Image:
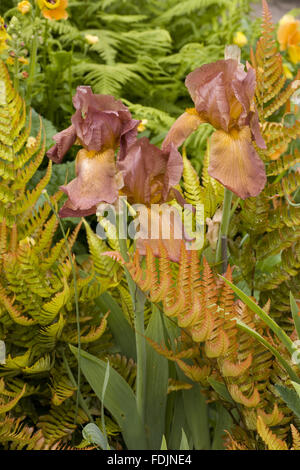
138,302
224,225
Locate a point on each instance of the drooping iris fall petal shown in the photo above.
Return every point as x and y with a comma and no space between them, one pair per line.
235,163
96,182
149,173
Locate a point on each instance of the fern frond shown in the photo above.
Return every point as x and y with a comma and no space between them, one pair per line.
296,438
272,442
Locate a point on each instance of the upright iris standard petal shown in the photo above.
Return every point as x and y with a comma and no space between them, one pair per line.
96,182
149,173
100,122
235,163
64,141
187,123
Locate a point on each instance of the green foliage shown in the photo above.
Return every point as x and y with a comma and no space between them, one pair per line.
37,307
265,231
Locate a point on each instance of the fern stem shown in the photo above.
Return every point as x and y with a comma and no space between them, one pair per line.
75,298
220,258
138,301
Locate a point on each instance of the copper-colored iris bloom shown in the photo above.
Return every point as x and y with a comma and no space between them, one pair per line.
223,94
99,123
149,175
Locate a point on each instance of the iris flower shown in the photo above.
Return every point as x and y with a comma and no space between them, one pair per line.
54,9
100,125
150,176
223,94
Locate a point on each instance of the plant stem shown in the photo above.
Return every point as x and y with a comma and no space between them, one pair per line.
45,50
224,225
16,73
138,302
33,56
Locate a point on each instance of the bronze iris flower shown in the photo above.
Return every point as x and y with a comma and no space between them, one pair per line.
101,124
150,176
223,94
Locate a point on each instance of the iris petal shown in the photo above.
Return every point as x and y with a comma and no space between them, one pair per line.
64,141
96,182
235,163
187,123
169,228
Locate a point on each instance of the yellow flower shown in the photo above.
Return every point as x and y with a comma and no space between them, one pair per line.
31,142
23,60
288,36
286,19
288,74
294,53
4,36
142,125
27,241
10,61
240,39
53,9
91,39
24,7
